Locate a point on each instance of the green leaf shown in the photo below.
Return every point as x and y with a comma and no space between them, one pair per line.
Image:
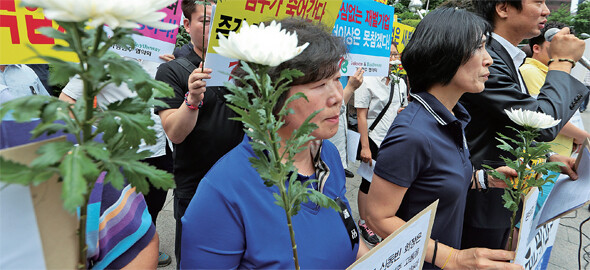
14,172
509,202
52,33
78,172
33,105
323,200
51,153
96,150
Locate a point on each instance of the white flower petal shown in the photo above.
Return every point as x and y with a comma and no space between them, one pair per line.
531,119
263,44
115,13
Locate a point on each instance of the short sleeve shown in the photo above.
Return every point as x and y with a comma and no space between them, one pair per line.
171,76
207,243
362,96
74,88
403,156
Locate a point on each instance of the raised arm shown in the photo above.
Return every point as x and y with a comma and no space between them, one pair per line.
354,82
179,122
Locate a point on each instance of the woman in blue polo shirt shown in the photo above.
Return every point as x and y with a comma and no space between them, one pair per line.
445,58
232,221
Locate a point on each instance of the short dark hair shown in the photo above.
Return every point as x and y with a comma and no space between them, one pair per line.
487,8
318,61
538,40
444,40
189,7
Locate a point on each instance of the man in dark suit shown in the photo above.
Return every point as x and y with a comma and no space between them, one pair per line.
487,222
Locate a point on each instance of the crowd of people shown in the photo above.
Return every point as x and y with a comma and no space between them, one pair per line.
463,70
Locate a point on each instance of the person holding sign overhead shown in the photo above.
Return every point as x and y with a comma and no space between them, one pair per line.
445,58
196,120
250,230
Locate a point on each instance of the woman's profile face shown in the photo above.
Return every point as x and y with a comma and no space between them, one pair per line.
472,75
324,95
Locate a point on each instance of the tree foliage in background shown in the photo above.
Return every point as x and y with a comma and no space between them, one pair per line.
580,21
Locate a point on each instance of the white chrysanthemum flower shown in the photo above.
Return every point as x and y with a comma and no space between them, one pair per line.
395,62
114,13
260,44
531,119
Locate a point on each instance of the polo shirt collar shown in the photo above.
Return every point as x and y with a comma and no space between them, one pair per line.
322,171
440,112
537,64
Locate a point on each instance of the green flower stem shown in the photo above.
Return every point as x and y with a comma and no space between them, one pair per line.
99,32
512,225
82,248
204,49
291,231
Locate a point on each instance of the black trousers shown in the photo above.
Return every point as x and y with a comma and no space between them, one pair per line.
156,197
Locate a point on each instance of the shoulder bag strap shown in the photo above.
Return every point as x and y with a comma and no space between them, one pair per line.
382,113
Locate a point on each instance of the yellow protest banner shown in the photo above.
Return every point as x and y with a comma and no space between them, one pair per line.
382,1
230,14
18,31
401,35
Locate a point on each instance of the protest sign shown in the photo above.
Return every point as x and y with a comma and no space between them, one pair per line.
37,233
526,223
535,255
18,31
401,35
153,42
567,195
403,249
229,16
366,27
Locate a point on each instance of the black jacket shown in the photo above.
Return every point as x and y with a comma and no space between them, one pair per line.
560,97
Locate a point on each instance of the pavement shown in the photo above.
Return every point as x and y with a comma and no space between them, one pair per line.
563,256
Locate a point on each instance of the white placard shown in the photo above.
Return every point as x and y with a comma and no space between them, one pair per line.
352,144
526,224
568,195
538,250
403,249
366,171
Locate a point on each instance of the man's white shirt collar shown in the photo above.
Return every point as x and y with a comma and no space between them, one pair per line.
516,54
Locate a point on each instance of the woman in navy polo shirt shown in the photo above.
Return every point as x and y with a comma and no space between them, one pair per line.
445,58
232,221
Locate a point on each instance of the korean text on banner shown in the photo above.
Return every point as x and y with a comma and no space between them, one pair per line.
229,16
366,27
18,30
401,35
154,42
404,248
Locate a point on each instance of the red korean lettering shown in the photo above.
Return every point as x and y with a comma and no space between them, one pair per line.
32,26
292,7
278,7
343,12
12,24
264,3
8,5
317,14
251,5
354,13
386,20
